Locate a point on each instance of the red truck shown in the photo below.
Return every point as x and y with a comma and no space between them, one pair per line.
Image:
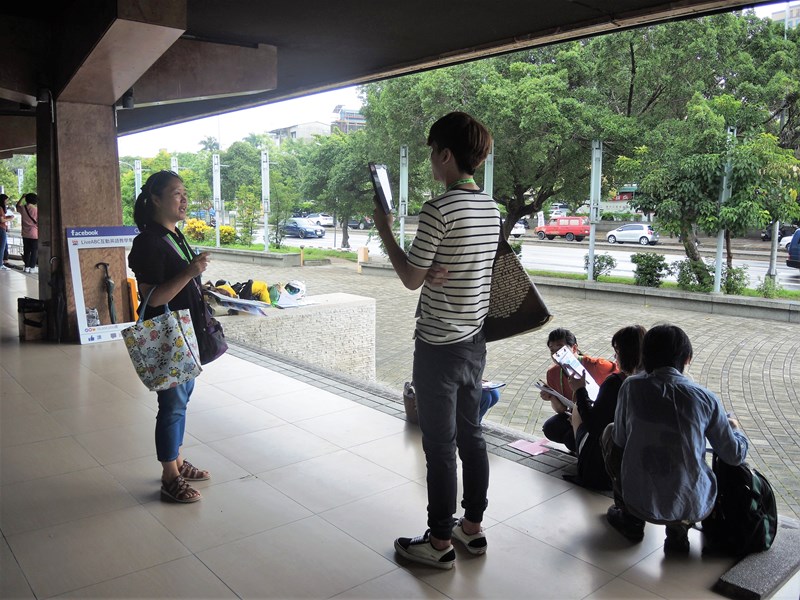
570,228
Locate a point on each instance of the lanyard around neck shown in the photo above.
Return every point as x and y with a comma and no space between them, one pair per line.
179,248
459,182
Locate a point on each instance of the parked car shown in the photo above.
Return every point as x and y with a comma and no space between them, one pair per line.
784,230
302,228
364,222
518,229
558,212
784,242
321,219
570,228
633,232
794,251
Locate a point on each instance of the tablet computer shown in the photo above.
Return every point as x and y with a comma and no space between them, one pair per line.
383,191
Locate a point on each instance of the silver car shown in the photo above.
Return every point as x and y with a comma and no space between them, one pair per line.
633,232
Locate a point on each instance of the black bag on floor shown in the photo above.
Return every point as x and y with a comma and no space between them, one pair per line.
745,516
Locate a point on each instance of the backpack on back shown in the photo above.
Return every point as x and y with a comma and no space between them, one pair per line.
745,516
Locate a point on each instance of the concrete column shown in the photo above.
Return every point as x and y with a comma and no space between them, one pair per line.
88,195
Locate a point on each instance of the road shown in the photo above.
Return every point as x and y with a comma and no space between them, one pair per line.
554,256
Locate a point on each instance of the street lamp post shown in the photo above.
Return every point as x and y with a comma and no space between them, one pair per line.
137,176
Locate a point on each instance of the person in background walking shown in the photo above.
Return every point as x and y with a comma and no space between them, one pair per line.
28,208
5,222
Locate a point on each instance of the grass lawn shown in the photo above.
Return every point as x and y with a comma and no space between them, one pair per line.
308,253
667,285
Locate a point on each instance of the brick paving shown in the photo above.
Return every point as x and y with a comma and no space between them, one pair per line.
749,363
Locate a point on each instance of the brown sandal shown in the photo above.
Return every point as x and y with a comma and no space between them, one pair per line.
191,473
178,490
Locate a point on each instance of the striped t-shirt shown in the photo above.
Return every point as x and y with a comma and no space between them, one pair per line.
458,230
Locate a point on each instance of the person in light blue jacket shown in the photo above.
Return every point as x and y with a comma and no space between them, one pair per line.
660,428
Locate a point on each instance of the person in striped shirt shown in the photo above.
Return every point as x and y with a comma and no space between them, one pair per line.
451,258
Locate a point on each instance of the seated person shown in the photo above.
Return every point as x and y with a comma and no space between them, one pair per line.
558,427
590,419
655,449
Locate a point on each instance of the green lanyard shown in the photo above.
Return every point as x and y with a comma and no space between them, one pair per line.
455,184
179,248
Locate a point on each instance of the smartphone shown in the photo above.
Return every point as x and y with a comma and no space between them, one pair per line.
383,191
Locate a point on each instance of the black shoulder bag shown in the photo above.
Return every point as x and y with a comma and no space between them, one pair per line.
210,337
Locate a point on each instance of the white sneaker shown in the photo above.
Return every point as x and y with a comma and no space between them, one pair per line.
475,543
4,268
34,269
419,550
26,270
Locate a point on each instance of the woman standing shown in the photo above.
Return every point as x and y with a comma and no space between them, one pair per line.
28,208
165,264
590,419
5,220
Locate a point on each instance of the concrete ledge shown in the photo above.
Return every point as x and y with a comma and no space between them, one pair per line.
334,332
381,269
786,311
736,306
272,259
758,576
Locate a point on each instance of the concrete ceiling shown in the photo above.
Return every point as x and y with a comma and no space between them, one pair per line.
313,45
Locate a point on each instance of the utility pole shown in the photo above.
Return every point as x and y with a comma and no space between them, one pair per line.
137,176
265,195
724,196
488,173
403,208
594,200
216,192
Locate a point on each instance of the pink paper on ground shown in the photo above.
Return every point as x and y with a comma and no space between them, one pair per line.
532,448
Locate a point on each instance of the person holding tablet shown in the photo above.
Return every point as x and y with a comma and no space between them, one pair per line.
451,258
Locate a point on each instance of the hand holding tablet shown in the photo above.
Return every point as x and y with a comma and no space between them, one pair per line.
383,191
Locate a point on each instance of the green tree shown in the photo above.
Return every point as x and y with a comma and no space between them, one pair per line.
336,176
679,172
209,144
285,184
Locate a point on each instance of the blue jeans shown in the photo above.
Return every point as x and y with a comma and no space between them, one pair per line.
447,381
3,243
171,420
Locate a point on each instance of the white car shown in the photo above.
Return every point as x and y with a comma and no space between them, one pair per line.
784,242
518,229
321,219
642,233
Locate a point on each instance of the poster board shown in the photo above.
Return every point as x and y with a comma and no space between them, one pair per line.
81,242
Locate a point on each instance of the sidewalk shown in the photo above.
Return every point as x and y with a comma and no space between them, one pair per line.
742,360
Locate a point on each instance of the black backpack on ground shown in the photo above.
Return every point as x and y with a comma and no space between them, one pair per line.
745,517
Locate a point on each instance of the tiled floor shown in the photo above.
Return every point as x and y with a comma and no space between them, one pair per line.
309,489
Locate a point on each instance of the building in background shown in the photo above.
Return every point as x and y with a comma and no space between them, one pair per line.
791,20
302,131
348,120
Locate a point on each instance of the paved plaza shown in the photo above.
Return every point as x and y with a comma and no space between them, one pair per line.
749,363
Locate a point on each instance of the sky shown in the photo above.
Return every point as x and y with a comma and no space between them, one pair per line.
232,127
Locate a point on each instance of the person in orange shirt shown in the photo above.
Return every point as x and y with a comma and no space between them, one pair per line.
558,428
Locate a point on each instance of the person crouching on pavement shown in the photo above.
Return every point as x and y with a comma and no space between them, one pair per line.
655,448
558,428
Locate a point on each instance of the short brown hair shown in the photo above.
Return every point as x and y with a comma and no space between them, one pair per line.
465,136
627,343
